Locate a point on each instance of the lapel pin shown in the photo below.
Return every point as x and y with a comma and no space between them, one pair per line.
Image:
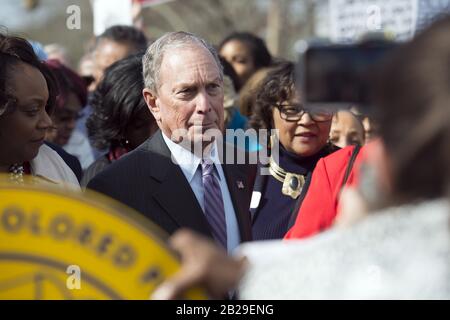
240,184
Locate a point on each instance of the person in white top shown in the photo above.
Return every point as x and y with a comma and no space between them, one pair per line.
49,166
27,97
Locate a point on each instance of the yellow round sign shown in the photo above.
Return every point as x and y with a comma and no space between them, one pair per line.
56,245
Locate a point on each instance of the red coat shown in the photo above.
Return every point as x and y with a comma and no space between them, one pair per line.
320,206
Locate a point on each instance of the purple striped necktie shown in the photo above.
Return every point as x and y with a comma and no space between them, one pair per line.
214,209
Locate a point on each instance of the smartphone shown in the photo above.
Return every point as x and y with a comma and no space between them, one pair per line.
340,74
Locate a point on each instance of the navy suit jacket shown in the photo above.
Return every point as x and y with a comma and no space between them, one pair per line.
148,181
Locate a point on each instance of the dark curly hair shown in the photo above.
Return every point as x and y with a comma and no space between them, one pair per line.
278,86
257,46
117,99
13,52
125,34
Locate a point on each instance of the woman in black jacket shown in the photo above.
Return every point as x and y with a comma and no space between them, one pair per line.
301,139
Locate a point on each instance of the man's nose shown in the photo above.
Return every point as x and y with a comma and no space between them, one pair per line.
203,104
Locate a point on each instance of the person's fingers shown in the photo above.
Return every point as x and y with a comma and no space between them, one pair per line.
164,292
195,251
203,264
181,239
352,208
176,286
184,240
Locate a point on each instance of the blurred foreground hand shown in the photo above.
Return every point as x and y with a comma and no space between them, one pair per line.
352,208
203,264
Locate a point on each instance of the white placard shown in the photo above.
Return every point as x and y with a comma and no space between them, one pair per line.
111,12
351,19
151,3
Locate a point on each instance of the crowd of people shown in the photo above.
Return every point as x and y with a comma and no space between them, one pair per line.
130,122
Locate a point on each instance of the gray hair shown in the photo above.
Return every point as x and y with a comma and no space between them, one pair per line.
154,55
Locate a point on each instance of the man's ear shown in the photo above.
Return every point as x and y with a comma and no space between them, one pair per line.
151,101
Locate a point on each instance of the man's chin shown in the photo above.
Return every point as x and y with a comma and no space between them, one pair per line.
205,134
197,144
203,140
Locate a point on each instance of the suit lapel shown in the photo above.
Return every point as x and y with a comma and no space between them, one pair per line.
239,188
173,192
260,186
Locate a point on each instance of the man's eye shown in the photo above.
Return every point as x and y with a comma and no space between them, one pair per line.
213,86
186,90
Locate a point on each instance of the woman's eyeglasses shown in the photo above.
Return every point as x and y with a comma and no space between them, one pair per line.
294,112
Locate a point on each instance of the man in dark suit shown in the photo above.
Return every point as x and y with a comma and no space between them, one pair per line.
167,179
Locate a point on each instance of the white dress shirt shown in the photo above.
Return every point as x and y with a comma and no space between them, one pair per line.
189,164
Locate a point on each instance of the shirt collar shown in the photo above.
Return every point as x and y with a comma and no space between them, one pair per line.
214,157
188,161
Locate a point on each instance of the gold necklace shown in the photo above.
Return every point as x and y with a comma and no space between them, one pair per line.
292,182
16,172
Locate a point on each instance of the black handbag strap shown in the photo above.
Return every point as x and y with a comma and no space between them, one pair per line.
299,201
350,164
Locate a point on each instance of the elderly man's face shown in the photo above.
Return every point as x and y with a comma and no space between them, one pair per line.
190,94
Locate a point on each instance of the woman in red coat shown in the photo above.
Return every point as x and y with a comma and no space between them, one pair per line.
320,205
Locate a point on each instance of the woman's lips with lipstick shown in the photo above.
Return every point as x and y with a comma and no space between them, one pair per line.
306,136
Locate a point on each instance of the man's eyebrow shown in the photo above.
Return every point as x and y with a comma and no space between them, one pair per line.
216,79
193,85
183,85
